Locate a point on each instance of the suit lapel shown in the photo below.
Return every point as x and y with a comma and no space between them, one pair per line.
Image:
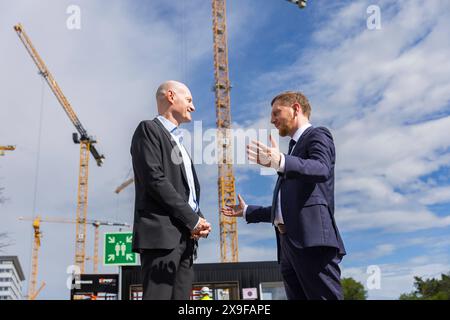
196,182
305,134
177,151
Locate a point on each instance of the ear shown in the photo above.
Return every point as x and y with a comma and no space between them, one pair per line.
170,95
297,108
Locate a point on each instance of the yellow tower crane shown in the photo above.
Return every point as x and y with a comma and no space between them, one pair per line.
37,235
36,293
6,148
32,293
226,187
125,184
226,180
86,145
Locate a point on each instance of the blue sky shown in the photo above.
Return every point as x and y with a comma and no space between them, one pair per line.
385,94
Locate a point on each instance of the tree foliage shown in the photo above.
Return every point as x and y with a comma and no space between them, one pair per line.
353,290
429,289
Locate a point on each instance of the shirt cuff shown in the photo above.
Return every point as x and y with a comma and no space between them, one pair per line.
245,211
282,164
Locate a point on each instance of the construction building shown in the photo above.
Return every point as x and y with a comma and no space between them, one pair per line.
227,281
11,277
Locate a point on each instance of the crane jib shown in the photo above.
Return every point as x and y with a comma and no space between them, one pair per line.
44,72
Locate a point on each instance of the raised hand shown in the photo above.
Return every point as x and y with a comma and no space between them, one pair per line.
266,156
235,211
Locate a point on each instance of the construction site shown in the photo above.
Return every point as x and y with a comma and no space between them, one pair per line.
79,77
83,219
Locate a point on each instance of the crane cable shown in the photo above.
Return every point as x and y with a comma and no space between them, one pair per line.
184,53
38,156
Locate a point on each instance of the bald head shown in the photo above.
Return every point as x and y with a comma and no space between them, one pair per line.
174,101
164,89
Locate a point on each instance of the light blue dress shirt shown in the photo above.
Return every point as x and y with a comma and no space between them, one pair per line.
177,136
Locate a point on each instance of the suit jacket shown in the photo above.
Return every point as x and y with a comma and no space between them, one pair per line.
162,212
307,194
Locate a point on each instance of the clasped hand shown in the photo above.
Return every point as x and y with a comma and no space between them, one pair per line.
202,230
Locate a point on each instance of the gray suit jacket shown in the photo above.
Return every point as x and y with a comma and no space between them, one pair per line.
162,213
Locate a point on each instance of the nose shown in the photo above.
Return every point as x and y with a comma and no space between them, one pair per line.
192,107
272,119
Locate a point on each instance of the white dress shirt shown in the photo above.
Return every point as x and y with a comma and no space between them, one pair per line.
296,137
278,213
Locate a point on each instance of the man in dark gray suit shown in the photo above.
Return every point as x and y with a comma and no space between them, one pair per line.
167,218
302,211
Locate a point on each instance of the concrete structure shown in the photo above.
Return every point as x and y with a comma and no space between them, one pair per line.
11,277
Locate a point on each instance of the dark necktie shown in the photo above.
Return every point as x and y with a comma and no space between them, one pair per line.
291,145
278,185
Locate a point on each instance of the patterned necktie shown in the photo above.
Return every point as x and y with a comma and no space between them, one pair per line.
291,145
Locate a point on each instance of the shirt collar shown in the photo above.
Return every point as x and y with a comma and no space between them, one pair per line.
300,131
167,123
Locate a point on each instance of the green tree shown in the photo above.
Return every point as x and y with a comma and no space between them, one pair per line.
353,290
429,289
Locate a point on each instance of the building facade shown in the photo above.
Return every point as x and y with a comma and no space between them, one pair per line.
11,277
259,280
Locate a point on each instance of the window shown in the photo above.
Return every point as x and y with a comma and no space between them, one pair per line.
272,291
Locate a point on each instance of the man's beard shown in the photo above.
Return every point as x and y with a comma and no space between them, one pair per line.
283,131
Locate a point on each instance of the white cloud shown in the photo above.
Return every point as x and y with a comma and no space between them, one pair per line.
377,252
386,96
436,195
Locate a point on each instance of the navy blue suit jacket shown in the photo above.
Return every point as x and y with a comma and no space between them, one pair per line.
307,194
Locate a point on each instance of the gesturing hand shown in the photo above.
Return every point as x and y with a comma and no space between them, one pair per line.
266,156
235,211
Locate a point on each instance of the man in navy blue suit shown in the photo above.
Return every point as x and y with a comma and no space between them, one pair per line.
310,247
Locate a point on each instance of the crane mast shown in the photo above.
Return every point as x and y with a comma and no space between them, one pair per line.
125,184
86,145
32,292
226,181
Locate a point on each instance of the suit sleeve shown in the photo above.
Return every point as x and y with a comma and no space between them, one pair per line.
255,214
199,213
147,164
317,168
